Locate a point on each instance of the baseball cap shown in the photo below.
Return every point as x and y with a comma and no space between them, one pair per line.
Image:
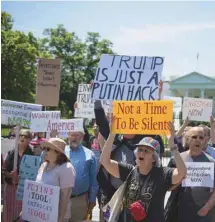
150,142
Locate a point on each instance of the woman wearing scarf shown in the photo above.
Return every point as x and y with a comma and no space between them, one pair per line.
57,170
148,182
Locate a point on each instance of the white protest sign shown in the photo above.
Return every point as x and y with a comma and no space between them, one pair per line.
7,145
127,78
199,174
17,113
44,121
69,125
197,109
84,106
40,202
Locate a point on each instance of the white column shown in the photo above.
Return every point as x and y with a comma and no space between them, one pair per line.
186,93
202,93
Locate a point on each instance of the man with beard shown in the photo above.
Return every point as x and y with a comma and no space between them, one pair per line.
83,198
193,203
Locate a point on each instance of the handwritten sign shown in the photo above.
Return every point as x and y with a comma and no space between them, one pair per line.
142,117
120,77
197,109
17,113
84,106
29,167
44,121
40,202
7,145
48,82
199,174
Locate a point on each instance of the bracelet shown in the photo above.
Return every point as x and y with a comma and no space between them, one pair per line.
174,148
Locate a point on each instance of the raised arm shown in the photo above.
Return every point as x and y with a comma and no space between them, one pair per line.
101,119
110,165
180,172
184,125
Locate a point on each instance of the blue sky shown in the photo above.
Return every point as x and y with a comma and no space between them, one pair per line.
175,30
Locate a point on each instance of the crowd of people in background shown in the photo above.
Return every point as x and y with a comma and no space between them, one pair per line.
90,168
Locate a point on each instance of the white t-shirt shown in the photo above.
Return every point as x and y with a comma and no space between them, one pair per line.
62,175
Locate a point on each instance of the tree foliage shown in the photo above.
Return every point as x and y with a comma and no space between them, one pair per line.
20,52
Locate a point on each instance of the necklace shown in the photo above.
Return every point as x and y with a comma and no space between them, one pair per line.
47,168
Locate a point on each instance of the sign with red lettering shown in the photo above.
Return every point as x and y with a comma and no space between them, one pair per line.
40,202
69,125
197,109
121,77
44,121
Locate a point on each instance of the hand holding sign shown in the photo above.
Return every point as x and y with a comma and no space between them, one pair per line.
160,89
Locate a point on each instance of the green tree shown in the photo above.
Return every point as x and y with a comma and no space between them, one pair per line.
79,60
19,53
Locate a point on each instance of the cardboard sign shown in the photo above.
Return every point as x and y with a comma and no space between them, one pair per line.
142,117
17,113
127,78
84,106
40,202
199,174
197,109
48,82
44,121
28,169
7,145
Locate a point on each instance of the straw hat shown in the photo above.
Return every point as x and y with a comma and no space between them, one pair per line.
55,144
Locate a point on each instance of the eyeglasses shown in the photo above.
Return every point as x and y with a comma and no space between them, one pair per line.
195,137
146,151
25,136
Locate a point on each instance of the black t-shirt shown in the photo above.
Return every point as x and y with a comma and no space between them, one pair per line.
150,189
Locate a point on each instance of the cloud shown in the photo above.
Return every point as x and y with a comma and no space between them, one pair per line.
156,33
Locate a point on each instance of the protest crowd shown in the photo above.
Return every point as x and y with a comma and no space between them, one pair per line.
55,170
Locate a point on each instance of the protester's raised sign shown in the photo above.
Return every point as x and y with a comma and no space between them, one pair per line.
127,78
40,202
84,106
28,170
197,109
199,174
44,121
142,117
69,125
48,82
17,113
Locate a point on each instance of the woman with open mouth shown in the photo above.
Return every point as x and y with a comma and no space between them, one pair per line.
148,182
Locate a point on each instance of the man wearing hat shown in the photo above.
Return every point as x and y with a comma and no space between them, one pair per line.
83,198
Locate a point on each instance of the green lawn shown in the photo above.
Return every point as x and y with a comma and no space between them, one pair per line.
5,131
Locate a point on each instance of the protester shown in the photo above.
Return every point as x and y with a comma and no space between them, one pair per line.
57,170
83,198
13,207
12,133
94,144
148,183
37,149
207,136
192,203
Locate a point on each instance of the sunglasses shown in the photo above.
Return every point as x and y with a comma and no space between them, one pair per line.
146,151
195,137
25,136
